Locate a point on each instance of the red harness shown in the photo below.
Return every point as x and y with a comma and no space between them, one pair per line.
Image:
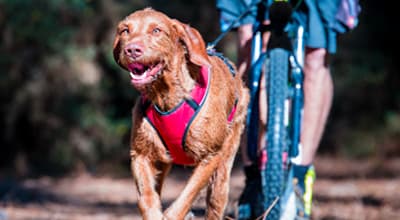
172,126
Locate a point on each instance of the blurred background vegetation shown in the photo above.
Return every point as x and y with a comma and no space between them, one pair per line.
65,104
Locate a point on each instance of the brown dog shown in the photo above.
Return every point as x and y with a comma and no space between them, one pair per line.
191,112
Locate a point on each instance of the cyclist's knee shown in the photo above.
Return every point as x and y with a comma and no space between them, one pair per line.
316,67
315,59
245,33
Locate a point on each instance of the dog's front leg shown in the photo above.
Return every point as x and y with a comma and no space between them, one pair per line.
218,189
144,173
200,177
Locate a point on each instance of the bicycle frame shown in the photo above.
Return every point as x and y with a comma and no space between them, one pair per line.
293,106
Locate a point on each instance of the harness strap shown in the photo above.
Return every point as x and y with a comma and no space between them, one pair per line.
233,111
192,104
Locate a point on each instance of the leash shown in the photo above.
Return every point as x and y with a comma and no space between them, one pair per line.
213,52
212,45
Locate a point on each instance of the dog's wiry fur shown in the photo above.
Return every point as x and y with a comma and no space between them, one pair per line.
211,141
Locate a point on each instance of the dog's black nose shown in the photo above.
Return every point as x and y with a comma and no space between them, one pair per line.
134,50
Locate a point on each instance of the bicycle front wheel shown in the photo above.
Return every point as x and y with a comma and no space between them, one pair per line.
273,173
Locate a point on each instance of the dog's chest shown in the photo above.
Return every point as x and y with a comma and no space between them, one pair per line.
173,126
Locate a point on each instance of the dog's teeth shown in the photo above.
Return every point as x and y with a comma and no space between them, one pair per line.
138,77
132,75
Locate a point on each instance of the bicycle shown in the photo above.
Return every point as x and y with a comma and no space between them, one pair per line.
282,66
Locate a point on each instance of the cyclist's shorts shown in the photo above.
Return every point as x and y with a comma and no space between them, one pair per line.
231,10
317,16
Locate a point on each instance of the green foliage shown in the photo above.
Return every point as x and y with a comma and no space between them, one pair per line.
364,117
31,21
371,139
61,107
392,121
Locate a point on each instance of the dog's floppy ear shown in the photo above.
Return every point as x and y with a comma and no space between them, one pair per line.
194,43
116,48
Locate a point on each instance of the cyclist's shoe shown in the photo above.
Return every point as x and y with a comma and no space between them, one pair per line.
303,178
250,201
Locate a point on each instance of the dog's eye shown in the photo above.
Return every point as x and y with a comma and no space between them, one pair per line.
124,31
156,30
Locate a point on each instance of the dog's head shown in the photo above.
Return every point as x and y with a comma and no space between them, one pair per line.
149,44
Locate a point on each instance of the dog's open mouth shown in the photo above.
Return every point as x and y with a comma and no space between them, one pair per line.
144,73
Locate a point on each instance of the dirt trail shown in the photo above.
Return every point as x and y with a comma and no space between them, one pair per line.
344,190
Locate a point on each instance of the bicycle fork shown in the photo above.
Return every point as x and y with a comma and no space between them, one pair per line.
296,62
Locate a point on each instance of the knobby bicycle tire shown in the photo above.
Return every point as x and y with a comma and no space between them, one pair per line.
277,69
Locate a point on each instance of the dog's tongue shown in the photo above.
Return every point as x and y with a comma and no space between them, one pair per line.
137,68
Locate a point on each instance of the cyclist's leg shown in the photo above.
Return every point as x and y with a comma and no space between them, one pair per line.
263,102
318,94
244,34
251,198
251,193
263,108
